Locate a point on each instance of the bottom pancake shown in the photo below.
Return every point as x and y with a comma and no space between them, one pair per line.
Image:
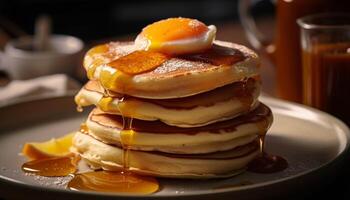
220,164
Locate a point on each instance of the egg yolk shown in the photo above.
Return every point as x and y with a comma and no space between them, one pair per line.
173,29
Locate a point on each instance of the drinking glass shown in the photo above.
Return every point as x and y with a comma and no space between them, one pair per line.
325,43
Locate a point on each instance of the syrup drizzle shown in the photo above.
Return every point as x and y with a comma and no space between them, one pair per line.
80,108
123,181
83,128
126,136
246,97
266,163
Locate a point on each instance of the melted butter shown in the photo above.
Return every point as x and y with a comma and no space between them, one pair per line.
123,182
56,166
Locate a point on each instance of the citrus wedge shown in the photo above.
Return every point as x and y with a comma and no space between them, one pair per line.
48,149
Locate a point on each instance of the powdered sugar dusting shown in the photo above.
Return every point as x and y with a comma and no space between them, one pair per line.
121,48
175,64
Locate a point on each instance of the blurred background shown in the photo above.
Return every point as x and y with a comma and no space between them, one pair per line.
98,20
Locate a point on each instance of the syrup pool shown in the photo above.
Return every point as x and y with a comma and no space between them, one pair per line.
120,182
51,167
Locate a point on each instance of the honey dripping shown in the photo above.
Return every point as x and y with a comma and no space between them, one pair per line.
266,163
83,128
79,102
123,181
126,138
79,108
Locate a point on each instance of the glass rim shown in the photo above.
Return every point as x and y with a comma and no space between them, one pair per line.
306,22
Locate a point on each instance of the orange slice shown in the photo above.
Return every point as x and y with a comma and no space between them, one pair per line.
53,148
139,62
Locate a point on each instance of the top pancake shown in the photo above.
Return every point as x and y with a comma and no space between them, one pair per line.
177,77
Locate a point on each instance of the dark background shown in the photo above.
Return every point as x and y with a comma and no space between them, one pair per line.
100,19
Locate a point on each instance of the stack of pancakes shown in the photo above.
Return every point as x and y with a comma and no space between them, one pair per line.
192,116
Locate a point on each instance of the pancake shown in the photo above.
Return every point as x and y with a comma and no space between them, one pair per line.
157,136
222,164
189,111
217,105
178,77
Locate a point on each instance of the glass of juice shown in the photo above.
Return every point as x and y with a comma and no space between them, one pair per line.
325,46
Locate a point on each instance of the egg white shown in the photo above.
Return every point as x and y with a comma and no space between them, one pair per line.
182,46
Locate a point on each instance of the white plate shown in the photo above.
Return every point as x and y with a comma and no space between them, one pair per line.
314,143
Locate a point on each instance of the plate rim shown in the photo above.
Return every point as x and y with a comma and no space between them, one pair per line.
265,99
